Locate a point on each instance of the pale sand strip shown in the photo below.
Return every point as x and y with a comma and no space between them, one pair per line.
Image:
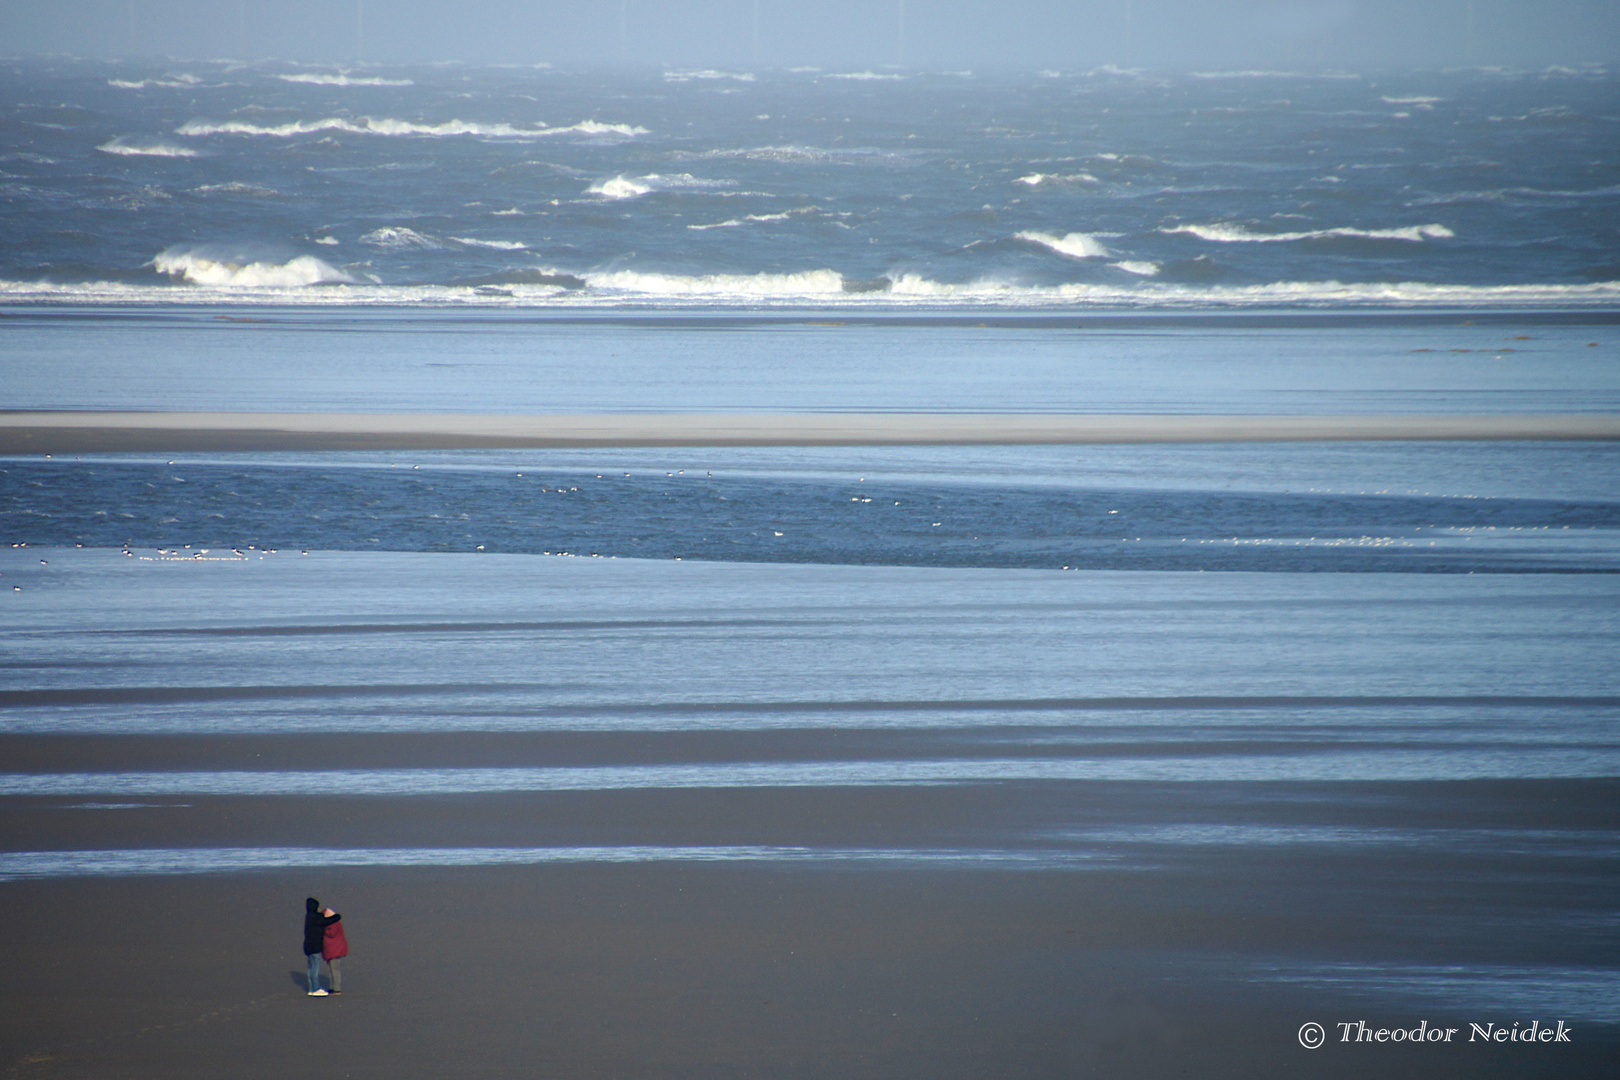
90,432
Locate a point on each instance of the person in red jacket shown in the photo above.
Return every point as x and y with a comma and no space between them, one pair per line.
334,948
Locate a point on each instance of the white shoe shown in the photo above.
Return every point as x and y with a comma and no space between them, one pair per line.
318,993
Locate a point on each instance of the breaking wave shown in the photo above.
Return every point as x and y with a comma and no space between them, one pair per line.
236,187
1237,234
399,238
623,187
866,76
1075,245
733,223
687,76
173,82
811,284
269,282
1037,179
344,80
128,147
498,245
370,125
209,266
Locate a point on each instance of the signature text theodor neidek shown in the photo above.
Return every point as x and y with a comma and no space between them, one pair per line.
1535,1031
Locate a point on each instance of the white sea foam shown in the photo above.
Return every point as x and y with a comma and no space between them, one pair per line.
688,76
625,187
1414,99
1075,245
1137,267
1037,179
327,240
812,283
746,218
1237,234
866,76
498,245
792,155
399,238
822,289
236,187
172,82
371,125
128,146
201,266
1337,75
619,188
344,80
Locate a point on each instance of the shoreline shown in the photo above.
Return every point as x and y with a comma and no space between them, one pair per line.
67,432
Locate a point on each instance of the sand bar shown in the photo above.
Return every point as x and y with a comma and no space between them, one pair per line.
100,432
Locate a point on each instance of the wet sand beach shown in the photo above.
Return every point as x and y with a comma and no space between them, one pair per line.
661,970
94,432
594,818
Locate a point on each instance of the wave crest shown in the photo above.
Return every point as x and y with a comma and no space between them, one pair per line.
809,283
627,187
687,76
399,238
1237,234
371,125
820,289
344,80
127,146
1037,179
1075,245
207,266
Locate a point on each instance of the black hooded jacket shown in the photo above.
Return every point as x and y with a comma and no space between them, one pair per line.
315,925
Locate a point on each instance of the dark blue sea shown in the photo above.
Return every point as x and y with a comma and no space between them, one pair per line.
521,187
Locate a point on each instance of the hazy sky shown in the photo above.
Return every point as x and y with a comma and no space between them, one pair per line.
1021,34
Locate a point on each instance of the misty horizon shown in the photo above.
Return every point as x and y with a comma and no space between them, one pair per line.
897,34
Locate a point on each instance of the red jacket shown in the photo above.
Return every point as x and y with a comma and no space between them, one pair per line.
335,945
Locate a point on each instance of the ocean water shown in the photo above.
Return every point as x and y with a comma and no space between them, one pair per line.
1363,679
239,183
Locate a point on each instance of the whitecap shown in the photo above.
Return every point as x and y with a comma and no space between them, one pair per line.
1237,234
1037,179
810,283
619,188
498,245
399,238
624,187
1075,245
172,82
1414,99
1338,75
866,76
203,266
236,187
746,218
127,146
369,125
344,80
1137,267
687,76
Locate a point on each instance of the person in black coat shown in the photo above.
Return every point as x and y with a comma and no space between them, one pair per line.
315,923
